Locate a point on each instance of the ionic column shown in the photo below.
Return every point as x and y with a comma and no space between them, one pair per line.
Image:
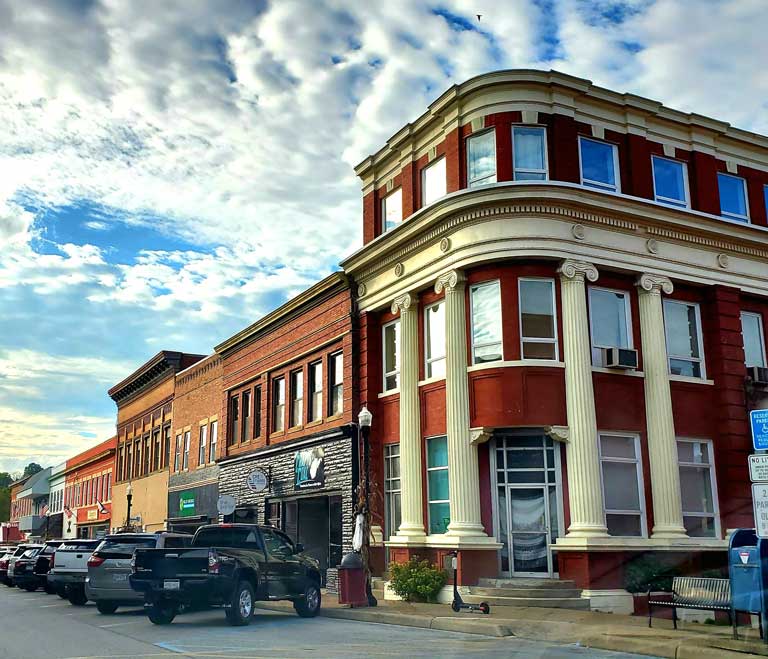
662,446
585,495
463,469
411,501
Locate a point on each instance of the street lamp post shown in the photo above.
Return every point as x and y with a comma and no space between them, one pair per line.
365,419
129,498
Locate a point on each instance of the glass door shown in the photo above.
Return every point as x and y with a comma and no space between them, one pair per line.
528,530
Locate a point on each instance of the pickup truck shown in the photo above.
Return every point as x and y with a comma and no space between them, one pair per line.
227,565
69,568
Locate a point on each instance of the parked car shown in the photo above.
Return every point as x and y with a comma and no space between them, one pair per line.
23,569
70,567
228,565
43,564
5,557
26,551
110,565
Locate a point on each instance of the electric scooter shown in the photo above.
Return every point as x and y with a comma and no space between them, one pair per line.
458,604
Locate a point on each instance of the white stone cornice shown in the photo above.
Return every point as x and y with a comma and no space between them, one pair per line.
558,433
449,281
654,284
402,303
577,270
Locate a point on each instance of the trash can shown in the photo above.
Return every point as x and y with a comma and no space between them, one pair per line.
352,581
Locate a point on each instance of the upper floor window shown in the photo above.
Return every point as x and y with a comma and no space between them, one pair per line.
733,197
156,449
481,159
670,181
610,324
278,404
754,340
682,323
434,340
166,446
538,328
185,462
297,398
202,446
765,197
433,182
486,322
529,151
234,425
315,412
438,485
336,379
177,454
247,416
391,351
214,441
697,488
392,209
257,410
599,164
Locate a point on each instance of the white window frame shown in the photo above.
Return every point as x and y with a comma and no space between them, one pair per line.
712,480
638,462
391,195
483,181
628,313
599,185
761,329
185,455
214,434
525,170
201,449
473,345
686,203
744,219
389,491
699,339
430,501
277,405
434,163
398,357
296,404
428,361
315,398
556,339
335,379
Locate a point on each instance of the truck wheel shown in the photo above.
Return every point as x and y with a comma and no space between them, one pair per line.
61,591
241,606
106,608
162,613
30,588
309,605
77,596
48,588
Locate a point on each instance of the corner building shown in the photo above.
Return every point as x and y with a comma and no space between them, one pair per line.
562,295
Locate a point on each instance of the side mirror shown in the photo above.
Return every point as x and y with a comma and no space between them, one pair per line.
298,548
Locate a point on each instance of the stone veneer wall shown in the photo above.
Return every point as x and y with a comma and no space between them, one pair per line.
338,480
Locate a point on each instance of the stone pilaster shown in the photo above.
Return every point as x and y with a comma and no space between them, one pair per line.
463,470
411,500
662,447
585,496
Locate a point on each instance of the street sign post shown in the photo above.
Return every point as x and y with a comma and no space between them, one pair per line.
758,419
760,508
758,468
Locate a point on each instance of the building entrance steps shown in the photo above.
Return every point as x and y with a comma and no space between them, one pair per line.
550,593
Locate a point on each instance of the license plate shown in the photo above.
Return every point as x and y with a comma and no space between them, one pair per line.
171,584
119,577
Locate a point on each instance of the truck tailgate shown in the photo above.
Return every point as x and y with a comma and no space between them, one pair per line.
73,556
154,564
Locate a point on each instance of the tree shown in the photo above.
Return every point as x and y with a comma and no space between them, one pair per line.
5,479
32,468
5,504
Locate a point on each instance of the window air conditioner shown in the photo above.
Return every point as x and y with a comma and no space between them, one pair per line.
758,375
625,358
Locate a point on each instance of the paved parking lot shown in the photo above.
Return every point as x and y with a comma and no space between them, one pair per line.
36,625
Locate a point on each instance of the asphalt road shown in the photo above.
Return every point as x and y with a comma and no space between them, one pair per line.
36,625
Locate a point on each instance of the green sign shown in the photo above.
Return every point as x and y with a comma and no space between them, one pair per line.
186,504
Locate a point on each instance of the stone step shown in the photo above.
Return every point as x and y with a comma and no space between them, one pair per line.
535,593
526,582
546,602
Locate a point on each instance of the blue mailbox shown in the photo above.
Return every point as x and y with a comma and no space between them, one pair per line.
748,572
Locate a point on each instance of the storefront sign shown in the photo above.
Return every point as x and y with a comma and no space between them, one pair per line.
310,468
257,481
93,514
758,468
186,504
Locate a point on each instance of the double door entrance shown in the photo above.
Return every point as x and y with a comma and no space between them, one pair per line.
528,500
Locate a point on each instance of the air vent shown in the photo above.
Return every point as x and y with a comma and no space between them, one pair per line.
758,375
625,358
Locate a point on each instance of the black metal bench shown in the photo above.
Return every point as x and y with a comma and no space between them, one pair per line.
696,593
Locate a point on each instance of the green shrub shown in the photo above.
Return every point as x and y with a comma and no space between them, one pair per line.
646,570
416,580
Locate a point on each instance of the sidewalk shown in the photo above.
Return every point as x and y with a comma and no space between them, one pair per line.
604,631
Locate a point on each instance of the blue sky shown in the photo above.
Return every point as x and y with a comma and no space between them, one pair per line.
169,172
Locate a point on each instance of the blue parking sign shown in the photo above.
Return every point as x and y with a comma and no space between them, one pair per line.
759,421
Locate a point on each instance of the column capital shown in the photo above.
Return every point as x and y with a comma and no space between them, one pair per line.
654,284
449,281
403,302
577,270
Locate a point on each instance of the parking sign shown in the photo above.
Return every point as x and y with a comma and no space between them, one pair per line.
760,508
759,422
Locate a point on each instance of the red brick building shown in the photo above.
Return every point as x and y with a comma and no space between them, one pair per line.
562,295
288,449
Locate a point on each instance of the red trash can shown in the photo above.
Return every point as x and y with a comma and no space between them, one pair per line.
352,581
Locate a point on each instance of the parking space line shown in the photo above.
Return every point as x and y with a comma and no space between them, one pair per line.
48,606
121,624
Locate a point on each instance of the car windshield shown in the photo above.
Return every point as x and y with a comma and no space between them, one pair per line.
124,546
226,537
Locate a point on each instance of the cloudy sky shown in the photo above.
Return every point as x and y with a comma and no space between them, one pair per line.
170,171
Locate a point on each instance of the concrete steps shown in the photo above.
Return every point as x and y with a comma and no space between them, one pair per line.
533,593
549,593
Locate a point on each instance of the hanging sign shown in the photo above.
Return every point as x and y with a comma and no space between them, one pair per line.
257,481
310,468
226,504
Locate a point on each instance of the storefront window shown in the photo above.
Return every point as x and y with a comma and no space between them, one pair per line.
437,485
392,490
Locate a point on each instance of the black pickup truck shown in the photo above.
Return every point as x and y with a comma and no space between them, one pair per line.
228,565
